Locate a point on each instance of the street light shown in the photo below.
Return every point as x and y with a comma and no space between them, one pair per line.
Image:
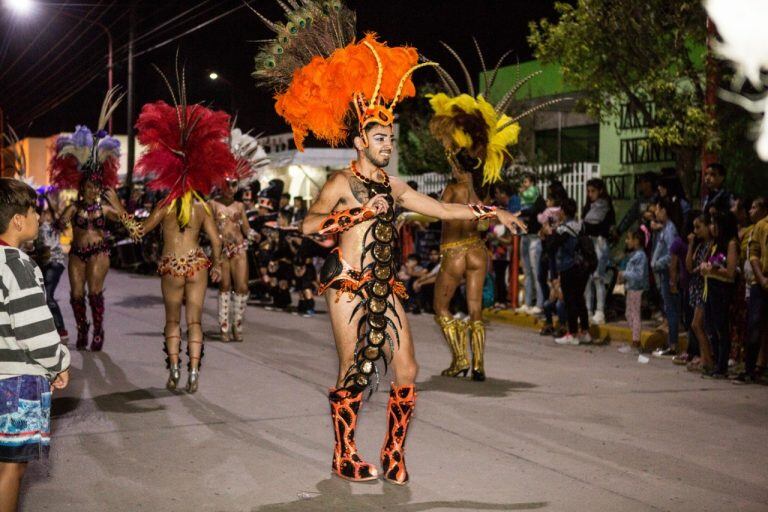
213,75
22,7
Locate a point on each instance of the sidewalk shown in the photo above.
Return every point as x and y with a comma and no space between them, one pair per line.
650,338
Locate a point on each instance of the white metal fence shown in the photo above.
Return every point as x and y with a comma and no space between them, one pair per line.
573,176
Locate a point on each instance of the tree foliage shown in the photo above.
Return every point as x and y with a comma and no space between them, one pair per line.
419,152
648,54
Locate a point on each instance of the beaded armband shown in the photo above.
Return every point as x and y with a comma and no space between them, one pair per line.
482,212
135,229
338,222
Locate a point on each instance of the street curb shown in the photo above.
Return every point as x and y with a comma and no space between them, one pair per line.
650,339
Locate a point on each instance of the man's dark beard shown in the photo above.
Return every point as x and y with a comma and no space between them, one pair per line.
374,161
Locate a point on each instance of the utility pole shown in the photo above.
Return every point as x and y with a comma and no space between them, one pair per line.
710,101
130,99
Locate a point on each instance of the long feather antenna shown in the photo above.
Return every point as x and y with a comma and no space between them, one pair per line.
503,105
108,106
489,83
272,25
482,64
450,84
531,111
467,76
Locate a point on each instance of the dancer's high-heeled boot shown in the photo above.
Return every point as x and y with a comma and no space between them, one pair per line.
455,334
477,335
238,305
193,380
402,400
81,320
172,347
96,300
347,464
224,325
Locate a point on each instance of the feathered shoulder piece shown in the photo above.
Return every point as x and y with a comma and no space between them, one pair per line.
84,155
249,155
187,152
469,126
311,28
325,81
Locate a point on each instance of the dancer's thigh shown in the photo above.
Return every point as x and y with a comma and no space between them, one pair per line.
173,295
449,278
195,288
239,272
226,275
96,272
76,273
344,327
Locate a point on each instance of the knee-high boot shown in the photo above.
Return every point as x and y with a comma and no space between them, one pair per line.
224,325
96,301
455,334
81,320
402,401
477,334
347,464
240,302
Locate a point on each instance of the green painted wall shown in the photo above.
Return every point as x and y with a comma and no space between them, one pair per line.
549,83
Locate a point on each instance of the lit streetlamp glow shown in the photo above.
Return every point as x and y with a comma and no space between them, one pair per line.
22,7
214,75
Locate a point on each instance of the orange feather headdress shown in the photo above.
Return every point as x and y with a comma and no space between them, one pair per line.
324,81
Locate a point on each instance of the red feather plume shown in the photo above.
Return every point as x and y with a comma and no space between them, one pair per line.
65,173
179,160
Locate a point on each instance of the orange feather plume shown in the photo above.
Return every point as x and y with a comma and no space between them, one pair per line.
320,95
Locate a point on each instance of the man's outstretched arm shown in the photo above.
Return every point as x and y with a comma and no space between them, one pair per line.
421,203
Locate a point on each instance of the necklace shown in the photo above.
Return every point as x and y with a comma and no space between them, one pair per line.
368,181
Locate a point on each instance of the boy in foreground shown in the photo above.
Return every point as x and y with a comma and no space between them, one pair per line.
32,360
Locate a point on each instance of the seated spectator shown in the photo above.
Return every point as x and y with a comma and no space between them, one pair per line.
409,272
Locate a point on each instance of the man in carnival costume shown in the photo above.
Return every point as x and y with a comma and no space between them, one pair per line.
319,70
187,156
475,135
88,162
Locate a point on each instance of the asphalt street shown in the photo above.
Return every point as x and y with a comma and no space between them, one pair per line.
554,428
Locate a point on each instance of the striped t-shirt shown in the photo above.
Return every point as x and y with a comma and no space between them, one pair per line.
29,342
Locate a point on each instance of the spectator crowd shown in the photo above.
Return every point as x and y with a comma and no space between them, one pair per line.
702,272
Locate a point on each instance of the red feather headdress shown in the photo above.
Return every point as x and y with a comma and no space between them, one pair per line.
187,153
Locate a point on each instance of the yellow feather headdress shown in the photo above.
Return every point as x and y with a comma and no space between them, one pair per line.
467,122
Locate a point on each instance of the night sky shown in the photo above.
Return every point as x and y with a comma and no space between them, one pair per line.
28,82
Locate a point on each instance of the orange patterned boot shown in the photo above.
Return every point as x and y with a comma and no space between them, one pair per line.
399,410
347,463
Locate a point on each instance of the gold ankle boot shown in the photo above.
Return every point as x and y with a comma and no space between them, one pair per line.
477,334
455,334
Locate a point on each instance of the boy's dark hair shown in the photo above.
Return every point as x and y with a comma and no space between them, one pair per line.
414,256
569,207
648,177
718,168
16,197
639,235
530,176
285,195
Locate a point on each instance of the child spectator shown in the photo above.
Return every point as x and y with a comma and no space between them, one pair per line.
699,246
554,305
666,210
635,278
32,360
719,271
